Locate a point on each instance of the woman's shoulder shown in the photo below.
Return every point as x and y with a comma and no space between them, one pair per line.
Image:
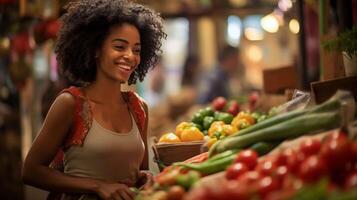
68,97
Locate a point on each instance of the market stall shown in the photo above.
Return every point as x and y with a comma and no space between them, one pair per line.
293,151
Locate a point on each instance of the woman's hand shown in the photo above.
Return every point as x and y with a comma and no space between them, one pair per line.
114,191
145,180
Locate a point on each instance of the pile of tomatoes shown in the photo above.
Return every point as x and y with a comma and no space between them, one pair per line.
280,175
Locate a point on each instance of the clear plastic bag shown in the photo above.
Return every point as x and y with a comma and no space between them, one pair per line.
299,101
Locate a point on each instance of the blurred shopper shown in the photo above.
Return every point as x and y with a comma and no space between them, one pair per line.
93,141
226,79
190,71
190,81
154,94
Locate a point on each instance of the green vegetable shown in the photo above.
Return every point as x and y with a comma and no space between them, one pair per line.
216,114
223,154
197,126
243,124
197,118
221,161
289,129
213,166
208,111
262,118
263,148
207,121
187,180
225,117
217,134
256,115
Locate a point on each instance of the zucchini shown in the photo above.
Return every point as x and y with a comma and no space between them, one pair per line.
289,129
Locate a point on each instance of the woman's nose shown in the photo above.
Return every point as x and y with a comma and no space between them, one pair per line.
128,54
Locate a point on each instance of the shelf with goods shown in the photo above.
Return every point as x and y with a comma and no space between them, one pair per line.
282,156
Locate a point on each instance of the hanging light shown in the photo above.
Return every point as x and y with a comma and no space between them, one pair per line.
270,23
253,34
294,26
285,5
254,53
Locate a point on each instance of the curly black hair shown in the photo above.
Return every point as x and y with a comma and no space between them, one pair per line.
85,25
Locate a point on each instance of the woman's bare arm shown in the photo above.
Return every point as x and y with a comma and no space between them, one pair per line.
52,135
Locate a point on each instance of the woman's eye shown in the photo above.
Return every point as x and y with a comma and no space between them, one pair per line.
120,47
137,51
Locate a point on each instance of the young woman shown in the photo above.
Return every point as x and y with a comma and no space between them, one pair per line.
93,141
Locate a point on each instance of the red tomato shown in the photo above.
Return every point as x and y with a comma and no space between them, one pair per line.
267,184
248,157
335,135
235,170
228,190
288,158
218,103
351,180
280,172
312,169
336,152
291,181
310,146
233,108
176,192
249,177
266,167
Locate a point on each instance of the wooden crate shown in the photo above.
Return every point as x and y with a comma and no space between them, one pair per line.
170,153
323,90
277,80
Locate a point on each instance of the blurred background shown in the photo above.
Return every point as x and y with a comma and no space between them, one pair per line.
251,40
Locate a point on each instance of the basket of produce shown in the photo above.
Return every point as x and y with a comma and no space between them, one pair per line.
166,153
178,146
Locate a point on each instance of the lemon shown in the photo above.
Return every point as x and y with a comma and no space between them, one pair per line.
181,127
169,138
191,134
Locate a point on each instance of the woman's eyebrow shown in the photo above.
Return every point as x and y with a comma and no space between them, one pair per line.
123,40
120,40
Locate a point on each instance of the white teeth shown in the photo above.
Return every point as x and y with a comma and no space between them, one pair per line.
126,67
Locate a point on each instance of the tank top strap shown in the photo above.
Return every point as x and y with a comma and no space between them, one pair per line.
137,107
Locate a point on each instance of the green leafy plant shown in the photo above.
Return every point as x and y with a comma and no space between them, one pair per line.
346,41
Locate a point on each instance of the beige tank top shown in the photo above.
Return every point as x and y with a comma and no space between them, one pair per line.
107,155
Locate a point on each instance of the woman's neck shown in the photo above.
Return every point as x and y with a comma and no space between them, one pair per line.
105,92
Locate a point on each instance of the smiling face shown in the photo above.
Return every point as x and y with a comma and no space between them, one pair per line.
120,53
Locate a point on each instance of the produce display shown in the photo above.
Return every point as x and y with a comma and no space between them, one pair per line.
317,169
217,121
241,162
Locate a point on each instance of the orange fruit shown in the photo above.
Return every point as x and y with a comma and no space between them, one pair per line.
181,127
246,116
191,134
229,129
169,138
216,126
